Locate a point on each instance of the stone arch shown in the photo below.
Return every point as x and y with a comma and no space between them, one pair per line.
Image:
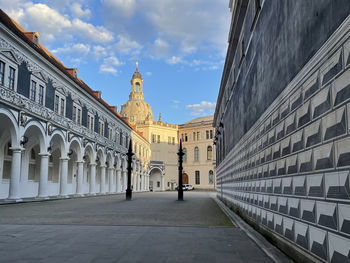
75,156
156,179
34,130
8,141
9,124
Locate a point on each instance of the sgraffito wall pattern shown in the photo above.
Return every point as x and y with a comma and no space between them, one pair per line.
290,172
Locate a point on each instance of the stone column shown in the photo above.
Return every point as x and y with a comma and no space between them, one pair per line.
103,179
119,190
44,170
63,179
134,184
110,179
163,186
80,178
14,193
92,178
142,182
124,181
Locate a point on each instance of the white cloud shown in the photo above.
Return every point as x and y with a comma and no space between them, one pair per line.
160,48
109,65
174,60
78,11
126,46
148,73
202,109
124,8
87,31
54,26
99,52
79,48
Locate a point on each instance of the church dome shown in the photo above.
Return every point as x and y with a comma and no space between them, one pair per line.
136,109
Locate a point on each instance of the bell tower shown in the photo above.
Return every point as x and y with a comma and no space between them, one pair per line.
136,85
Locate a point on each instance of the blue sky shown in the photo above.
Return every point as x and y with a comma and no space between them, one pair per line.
180,46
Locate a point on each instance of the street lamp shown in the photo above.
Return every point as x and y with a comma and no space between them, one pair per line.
129,155
180,193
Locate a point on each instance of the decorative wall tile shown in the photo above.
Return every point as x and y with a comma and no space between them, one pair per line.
315,185
341,88
323,157
288,228
337,185
327,214
301,234
342,149
312,134
305,161
294,207
339,249
308,210
344,218
333,124
318,242
331,68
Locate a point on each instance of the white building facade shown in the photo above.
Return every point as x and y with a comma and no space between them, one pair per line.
57,136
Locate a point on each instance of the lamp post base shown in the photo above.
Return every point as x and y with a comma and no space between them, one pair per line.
128,194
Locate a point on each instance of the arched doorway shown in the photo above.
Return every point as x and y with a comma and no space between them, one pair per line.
155,179
184,178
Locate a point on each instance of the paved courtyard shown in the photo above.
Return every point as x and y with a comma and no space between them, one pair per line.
153,227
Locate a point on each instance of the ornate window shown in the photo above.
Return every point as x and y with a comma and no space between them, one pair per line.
76,113
196,154
2,72
90,122
101,128
32,92
197,177
209,153
11,80
211,177
60,104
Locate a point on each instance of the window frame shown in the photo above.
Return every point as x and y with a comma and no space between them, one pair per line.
39,83
101,127
9,63
77,118
197,178
58,109
211,153
196,154
90,121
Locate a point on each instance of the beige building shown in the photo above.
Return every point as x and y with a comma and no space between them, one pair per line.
163,137
142,151
199,159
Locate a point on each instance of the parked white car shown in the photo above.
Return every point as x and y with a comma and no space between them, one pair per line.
187,187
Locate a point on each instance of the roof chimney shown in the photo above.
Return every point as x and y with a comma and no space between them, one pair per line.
98,93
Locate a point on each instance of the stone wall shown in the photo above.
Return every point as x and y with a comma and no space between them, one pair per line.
287,156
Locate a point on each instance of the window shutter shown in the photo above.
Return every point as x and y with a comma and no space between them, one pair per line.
106,129
23,81
50,95
96,122
84,116
69,106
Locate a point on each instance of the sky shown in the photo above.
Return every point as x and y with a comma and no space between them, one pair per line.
180,46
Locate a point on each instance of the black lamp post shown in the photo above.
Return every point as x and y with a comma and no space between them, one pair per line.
128,189
180,193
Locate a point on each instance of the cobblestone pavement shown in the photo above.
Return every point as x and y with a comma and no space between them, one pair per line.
153,227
